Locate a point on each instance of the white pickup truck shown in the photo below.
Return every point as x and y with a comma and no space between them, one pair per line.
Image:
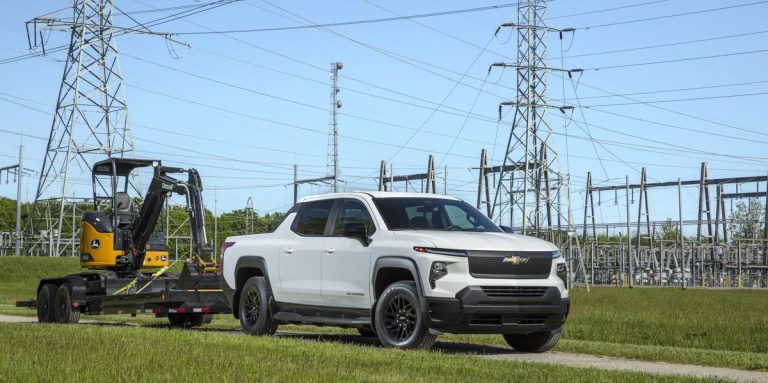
404,267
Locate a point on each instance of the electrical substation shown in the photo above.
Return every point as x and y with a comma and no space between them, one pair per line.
526,189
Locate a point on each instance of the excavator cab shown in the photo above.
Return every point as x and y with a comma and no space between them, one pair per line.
107,232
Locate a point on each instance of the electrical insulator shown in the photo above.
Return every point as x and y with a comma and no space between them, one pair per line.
339,65
338,104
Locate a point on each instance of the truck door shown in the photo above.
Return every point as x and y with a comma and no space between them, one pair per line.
300,275
346,262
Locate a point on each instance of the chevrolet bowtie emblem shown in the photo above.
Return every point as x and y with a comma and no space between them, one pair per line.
515,260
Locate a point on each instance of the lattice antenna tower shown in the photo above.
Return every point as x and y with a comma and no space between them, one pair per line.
530,182
91,118
332,164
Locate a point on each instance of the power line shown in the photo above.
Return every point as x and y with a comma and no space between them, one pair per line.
609,9
678,60
678,100
197,9
674,90
664,45
672,15
354,22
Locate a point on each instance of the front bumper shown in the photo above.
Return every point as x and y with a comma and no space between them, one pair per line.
473,311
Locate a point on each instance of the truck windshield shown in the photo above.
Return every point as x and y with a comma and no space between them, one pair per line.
414,213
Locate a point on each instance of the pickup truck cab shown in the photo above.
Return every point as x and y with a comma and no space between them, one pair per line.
404,267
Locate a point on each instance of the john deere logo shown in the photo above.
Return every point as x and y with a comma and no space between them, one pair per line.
515,260
95,244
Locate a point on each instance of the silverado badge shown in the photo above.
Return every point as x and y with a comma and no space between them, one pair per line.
515,260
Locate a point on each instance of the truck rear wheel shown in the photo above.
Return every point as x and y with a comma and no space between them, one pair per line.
399,319
255,317
64,312
45,304
537,342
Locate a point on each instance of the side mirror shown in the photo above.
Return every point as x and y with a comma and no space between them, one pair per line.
506,229
356,230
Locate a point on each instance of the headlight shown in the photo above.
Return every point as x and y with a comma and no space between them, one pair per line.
432,250
562,273
556,254
437,271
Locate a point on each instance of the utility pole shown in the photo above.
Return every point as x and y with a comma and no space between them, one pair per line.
18,201
297,182
531,169
18,172
333,160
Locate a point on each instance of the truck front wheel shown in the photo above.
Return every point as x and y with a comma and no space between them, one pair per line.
399,320
255,317
536,342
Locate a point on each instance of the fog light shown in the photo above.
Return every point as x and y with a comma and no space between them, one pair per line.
562,273
437,271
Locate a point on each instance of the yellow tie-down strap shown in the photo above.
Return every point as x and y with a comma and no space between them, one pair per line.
157,274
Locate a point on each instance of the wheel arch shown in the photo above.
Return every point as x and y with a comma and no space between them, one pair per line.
390,269
246,267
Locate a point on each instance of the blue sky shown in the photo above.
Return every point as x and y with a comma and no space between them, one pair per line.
244,108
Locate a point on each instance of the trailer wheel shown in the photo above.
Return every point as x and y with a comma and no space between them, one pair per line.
63,312
45,303
189,320
177,320
255,317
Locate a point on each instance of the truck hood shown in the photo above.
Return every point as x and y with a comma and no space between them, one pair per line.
462,240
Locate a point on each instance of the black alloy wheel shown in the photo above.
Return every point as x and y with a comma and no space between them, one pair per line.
399,320
400,317
253,307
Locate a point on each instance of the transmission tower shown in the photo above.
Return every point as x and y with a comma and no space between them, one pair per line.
91,120
530,181
332,165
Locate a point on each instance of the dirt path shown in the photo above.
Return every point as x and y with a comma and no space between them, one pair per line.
558,358
619,364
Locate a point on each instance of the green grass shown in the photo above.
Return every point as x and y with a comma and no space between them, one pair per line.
97,353
722,328
19,275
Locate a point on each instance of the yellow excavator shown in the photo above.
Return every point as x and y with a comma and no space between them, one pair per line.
123,240
117,244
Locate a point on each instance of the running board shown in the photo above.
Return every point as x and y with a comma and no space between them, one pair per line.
295,317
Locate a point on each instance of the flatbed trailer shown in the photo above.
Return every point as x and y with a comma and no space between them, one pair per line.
187,299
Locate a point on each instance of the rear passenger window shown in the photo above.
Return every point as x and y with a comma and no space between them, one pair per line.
313,217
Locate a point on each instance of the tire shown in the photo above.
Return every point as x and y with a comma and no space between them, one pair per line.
177,320
367,332
189,320
399,319
63,311
537,342
45,304
255,316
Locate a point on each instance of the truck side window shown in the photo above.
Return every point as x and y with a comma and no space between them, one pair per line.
313,217
353,211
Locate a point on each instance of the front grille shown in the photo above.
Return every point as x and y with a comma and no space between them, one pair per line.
513,291
490,264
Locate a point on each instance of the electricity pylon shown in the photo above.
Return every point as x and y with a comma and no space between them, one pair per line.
91,118
530,182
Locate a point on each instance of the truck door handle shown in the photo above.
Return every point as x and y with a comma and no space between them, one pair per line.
330,250
288,250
